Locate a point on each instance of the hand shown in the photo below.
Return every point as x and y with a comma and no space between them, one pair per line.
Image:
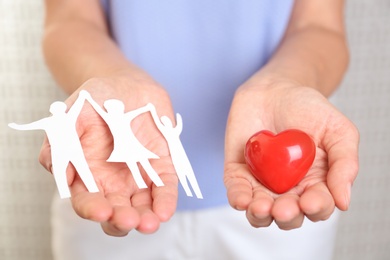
121,206
276,107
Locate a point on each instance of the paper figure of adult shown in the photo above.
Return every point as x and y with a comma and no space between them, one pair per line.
179,157
65,144
66,148
127,148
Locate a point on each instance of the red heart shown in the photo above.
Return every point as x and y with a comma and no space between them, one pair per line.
280,161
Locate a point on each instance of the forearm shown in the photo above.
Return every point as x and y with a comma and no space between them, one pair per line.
313,54
77,45
311,58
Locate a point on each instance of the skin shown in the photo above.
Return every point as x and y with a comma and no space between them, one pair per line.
289,92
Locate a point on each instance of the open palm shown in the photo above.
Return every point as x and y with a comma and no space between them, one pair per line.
120,205
326,185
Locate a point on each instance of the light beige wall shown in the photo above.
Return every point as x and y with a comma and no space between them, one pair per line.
26,91
364,231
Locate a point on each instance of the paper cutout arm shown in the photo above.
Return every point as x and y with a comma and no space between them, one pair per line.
179,123
156,119
75,110
37,125
138,111
95,105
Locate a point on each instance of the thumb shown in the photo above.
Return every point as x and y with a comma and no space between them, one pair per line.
343,167
45,155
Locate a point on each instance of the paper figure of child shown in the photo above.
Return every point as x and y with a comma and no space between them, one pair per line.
127,148
65,144
179,157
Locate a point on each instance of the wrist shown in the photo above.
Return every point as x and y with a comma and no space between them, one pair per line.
264,80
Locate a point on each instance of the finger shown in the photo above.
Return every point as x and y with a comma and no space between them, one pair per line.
45,155
124,217
343,167
317,202
239,185
259,211
112,230
142,202
165,197
92,206
239,192
286,212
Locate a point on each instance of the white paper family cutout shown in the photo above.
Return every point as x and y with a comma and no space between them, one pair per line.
66,148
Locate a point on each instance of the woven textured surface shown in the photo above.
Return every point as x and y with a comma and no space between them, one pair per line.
26,91
364,231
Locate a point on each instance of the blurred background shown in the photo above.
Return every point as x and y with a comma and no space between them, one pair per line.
27,90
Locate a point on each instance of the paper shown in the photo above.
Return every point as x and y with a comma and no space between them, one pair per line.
179,157
66,147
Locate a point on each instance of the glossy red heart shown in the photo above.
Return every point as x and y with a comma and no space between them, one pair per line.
280,161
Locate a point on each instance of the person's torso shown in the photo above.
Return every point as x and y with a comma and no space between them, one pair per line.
201,52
